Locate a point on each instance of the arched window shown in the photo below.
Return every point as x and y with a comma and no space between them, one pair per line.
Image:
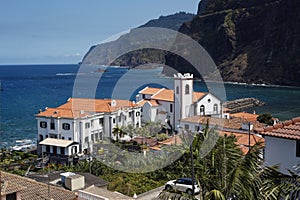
215,108
202,110
187,89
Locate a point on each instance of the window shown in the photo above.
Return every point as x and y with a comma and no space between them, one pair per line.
86,139
101,121
62,150
41,137
62,138
92,123
48,149
177,89
74,150
187,89
197,128
70,138
120,118
137,114
215,108
52,124
208,100
54,148
186,127
66,126
171,107
43,124
114,120
143,96
297,148
129,114
87,125
52,135
202,110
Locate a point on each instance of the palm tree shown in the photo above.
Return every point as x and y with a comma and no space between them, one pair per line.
117,132
226,173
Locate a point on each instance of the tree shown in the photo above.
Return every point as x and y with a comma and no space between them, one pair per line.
226,173
265,118
117,132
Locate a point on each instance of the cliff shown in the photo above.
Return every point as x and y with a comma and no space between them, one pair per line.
99,54
252,41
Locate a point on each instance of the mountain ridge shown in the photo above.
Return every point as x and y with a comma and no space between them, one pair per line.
99,54
251,41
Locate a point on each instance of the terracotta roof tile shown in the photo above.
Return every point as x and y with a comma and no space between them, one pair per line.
164,95
9,188
151,102
233,123
247,116
289,129
198,95
243,139
80,107
35,190
149,90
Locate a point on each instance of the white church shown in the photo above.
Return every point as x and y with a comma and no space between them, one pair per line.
162,104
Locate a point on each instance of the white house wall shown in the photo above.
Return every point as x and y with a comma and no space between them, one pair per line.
209,105
280,151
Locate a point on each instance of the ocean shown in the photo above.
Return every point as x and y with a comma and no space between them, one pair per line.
25,89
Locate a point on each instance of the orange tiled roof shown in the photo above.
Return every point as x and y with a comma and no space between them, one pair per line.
80,107
233,123
149,90
9,188
164,94
247,116
152,102
36,190
198,95
289,129
243,139
169,141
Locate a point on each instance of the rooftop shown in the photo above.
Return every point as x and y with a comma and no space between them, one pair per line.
80,107
244,115
35,190
151,102
243,139
165,94
105,193
57,142
232,123
89,178
289,129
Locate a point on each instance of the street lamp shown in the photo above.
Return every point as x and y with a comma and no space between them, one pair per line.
190,140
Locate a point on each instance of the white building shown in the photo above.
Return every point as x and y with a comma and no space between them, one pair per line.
165,105
282,144
81,122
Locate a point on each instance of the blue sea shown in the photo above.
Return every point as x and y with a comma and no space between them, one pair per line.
27,88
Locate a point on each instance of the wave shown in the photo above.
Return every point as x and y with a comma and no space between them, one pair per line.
66,74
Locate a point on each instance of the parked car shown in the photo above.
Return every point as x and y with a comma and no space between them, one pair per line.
184,185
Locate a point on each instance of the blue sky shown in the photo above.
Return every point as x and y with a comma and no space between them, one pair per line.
61,31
